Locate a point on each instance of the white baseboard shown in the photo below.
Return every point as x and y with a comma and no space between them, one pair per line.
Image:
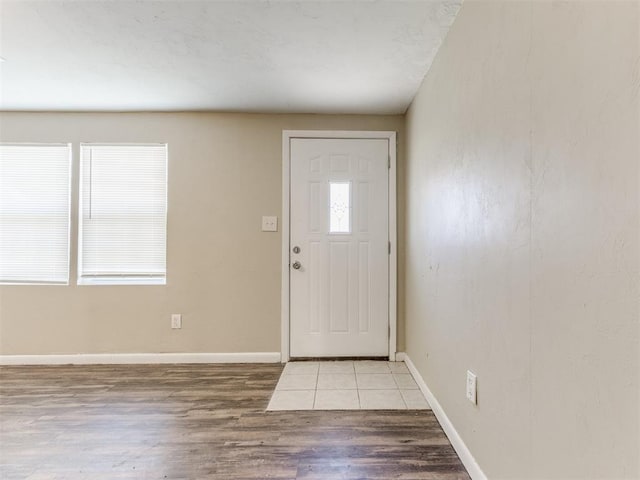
138,358
459,446
400,356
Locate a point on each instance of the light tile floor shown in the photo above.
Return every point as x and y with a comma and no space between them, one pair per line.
347,385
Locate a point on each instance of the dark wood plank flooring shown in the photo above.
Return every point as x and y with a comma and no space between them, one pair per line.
199,422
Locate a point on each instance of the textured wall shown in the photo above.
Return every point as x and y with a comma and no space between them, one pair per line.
223,273
522,254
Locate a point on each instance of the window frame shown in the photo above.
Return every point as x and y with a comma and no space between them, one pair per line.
119,279
69,147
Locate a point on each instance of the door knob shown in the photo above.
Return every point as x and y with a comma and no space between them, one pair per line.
296,265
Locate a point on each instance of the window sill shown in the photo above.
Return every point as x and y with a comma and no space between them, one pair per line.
122,281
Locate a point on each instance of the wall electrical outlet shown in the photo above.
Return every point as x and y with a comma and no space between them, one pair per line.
472,382
176,320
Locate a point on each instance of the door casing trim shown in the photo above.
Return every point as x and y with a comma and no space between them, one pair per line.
287,135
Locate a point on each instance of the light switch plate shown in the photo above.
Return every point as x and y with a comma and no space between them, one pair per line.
269,224
472,382
176,320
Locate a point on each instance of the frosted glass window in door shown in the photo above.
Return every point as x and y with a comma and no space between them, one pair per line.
339,207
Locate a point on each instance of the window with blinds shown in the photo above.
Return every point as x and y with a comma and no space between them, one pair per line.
34,213
123,214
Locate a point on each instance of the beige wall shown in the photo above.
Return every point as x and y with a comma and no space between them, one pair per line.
225,172
522,254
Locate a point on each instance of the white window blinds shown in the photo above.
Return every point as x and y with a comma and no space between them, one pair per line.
123,212
34,213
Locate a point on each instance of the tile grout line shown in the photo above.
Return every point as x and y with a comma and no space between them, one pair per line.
315,391
357,386
393,375
355,375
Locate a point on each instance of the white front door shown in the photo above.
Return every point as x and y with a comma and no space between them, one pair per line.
339,247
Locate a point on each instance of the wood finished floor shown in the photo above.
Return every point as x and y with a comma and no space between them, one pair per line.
200,422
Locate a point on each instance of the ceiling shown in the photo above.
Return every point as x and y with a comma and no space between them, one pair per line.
252,56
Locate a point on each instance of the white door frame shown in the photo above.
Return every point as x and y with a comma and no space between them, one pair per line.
287,135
